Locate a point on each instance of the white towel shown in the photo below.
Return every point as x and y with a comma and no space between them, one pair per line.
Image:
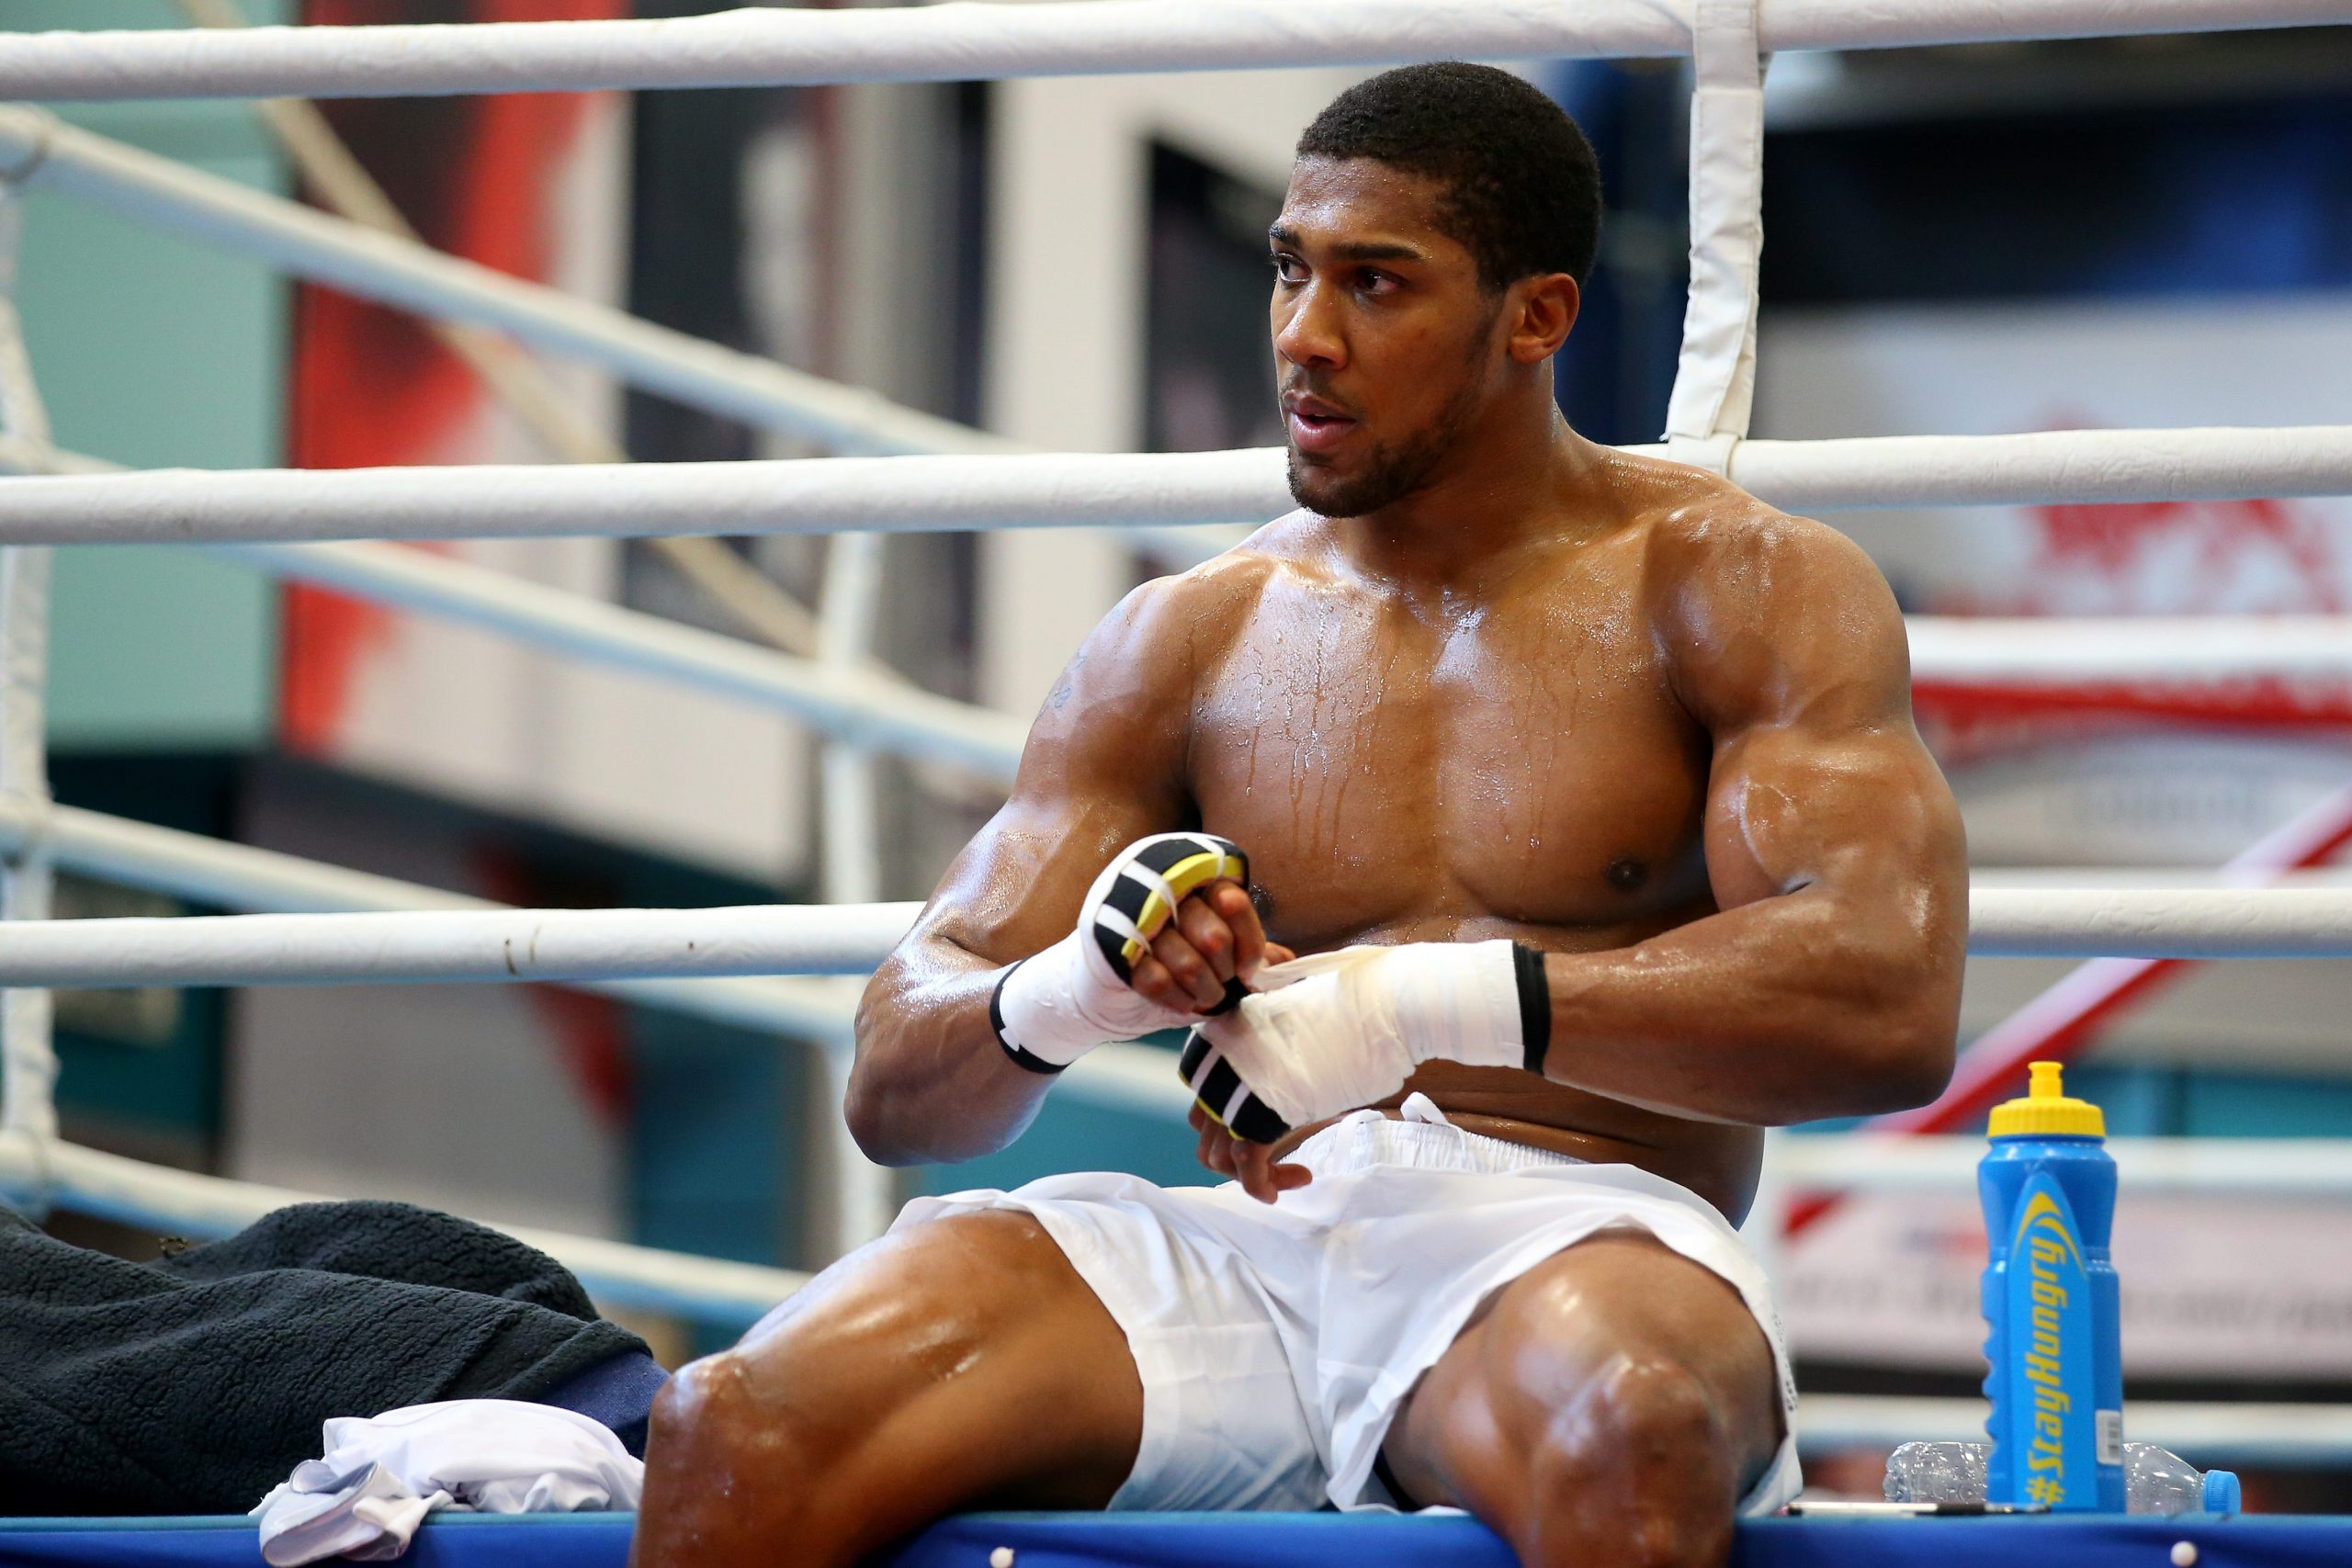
382,1475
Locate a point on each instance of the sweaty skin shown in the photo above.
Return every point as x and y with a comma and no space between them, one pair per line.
1497,680
1610,706
1663,704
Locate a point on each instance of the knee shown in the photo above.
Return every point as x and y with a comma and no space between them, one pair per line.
756,1445
719,1472
1639,1422
1636,1466
709,1420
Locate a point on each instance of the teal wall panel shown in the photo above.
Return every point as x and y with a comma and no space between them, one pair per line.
87,15
2250,1105
159,650
157,352
153,1088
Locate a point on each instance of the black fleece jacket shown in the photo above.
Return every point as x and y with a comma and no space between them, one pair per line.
195,1384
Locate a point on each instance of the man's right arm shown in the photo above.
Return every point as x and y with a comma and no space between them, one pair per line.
1105,765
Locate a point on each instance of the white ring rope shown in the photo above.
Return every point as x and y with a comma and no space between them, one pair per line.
2015,651
2204,922
1800,476
184,1203
808,495
838,699
945,493
967,42
849,939
405,274
2030,650
401,272
1884,1164
836,696
2040,468
453,945
239,876
258,881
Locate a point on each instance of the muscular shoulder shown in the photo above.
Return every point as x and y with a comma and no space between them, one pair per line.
1169,627
1761,612
1125,698
1117,724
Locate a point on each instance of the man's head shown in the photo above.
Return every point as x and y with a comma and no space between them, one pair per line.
1440,222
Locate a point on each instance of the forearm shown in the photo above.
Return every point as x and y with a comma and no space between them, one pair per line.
1780,1010
932,1083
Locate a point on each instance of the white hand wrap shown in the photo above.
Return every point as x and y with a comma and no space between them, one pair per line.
1337,1031
1052,1009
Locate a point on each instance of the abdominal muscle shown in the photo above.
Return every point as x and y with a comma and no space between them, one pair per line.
1717,1161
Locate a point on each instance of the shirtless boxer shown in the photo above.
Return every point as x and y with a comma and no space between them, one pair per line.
1613,765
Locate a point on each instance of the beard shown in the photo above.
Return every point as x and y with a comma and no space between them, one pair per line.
1395,470
1391,472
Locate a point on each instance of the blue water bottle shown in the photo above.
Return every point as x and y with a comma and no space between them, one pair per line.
2050,1304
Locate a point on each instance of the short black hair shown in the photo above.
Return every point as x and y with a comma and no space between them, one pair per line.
1523,188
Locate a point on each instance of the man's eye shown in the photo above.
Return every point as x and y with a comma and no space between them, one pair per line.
1289,269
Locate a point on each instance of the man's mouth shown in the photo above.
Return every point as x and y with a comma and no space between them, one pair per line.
1315,425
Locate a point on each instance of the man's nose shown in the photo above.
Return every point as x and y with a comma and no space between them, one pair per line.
1306,330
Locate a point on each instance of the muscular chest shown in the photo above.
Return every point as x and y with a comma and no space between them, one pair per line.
1526,761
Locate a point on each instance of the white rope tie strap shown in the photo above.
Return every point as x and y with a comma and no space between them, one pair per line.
28,1054
1714,385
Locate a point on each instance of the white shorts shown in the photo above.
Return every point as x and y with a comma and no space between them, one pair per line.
1276,1341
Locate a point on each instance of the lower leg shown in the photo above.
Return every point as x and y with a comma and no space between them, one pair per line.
964,1363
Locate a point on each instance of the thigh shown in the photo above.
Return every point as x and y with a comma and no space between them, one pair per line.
971,1335
1598,1323
1209,1288
956,1364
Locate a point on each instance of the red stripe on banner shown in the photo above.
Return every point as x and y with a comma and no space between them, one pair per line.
2267,704
372,386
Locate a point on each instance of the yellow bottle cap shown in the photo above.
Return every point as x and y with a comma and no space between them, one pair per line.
2046,1111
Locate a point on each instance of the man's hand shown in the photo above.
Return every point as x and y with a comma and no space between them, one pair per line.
1215,938
1252,1165
1340,1030
1162,933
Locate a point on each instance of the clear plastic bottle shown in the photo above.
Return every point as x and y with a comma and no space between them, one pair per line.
2156,1480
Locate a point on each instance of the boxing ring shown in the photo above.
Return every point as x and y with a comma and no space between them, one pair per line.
1220,1540
780,969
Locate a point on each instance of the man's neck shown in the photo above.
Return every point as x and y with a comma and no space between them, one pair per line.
1488,498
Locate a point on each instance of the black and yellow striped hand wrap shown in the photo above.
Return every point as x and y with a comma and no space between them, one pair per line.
1149,880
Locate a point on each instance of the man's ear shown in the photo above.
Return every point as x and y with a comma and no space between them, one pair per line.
1544,310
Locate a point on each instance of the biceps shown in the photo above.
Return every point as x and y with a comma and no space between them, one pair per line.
1102,769
1862,813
